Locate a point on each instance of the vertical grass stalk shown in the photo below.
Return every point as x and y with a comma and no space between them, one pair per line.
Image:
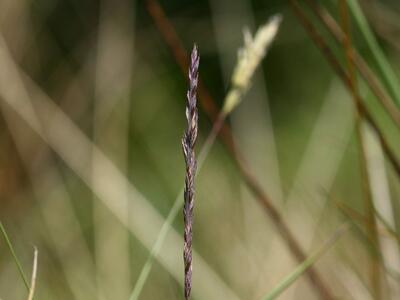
363,68
171,38
375,270
34,275
14,255
342,74
302,268
257,48
383,65
188,143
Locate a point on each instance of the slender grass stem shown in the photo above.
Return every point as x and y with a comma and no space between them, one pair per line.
365,71
34,274
353,215
14,255
173,213
340,72
306,264
383,65
375,269
171,39
175,209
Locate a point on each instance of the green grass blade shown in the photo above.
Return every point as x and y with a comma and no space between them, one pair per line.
386,71
302,268
156,248
176,208
14,255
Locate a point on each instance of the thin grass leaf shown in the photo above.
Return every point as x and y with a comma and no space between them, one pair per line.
383,65
360,221
363,68
175,209
374,264
392,232
112,84
342,74
144,273
14,255
173,42
34,273
302,268
112,193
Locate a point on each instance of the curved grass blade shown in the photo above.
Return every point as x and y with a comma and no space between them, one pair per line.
34,274
14,255
176,208
31,107
302,268
383,65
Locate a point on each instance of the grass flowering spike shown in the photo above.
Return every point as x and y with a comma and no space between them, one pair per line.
249,58
188,143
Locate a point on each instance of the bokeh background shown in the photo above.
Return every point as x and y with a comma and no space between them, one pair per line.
92,114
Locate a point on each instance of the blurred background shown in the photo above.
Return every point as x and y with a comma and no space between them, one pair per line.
92,115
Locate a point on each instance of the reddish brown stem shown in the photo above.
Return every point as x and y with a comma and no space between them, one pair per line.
365,71
374,268
336,66
171,39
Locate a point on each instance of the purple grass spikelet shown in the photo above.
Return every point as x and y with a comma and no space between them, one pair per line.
188,143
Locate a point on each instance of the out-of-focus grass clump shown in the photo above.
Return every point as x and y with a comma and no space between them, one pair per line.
92,114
